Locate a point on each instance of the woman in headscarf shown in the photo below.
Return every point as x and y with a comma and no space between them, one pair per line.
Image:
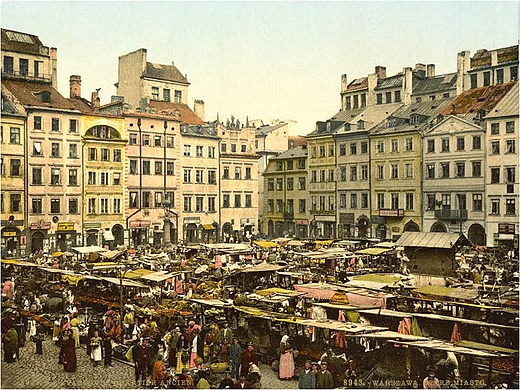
68,352
183,354
196,346
10,341
159,373
249,355
286,368
74,323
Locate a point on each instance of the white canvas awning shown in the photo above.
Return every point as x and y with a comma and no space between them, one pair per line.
89,249
108,235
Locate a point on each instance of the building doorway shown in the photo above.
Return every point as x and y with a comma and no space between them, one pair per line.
411,226
477,234
438,227
118,233
37,241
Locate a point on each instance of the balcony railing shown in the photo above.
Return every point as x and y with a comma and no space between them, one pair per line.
8,74
451,214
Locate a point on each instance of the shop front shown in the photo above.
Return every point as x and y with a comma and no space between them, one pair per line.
39,235
139,232
325,226
10,242
247,227
346,227
209,231
92,230
65,236
506,237
302,228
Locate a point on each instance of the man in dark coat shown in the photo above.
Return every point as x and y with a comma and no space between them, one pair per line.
235,352
324,378
248,356
141,356
307,378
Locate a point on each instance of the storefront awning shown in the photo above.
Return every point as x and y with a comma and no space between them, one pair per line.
208,226
108,235
266,244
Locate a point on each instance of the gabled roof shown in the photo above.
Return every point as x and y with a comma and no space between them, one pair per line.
8,108
508,105
452,124
21,42
186,115
435,84
322,128
347,115
27,94
390,82
431,240
374,114
267,129
297,140
477,99
199,131
164,72
296,152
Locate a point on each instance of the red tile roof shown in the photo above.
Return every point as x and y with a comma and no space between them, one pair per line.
476,99
29,94
186,115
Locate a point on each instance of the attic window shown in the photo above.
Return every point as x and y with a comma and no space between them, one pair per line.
361,125
440,118
347,126
44,96
414,119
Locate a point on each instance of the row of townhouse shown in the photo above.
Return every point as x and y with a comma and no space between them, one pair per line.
410,152
75,172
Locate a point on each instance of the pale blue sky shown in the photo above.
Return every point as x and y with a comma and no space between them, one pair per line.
262,59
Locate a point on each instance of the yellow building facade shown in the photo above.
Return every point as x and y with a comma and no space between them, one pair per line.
103,153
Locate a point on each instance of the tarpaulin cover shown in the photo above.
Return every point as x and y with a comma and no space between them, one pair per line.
71,279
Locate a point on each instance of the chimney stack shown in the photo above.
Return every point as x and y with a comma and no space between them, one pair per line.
380,72
407,85
75,86
53,52
430,70
494,57
95,99
463,66
344,83
421,69
198,108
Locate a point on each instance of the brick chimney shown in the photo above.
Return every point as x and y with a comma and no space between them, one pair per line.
198,108
421,69
430,70
75,86
53,52
407,85
380,72
96,102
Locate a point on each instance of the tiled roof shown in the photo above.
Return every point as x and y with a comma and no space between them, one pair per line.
164,72
356,84
322,128
347,115
428,109
508,105
390,82
186,115
375,114
504,54
297,140
29,94
476,99
296,152
435,84
81,104
21,42
267,129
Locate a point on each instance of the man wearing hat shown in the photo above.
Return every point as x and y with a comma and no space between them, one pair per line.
307,379
227,382
324,378
431,382
227,333
235,352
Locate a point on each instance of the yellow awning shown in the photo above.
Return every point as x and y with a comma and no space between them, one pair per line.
208,226
266,244
71,279
137,273
319,244
10,261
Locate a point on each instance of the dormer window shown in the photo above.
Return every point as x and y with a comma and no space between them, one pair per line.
347,126
328,126
414,119
361,125
44,96
440,118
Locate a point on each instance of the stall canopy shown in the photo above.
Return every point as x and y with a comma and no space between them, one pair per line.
110,255
447,346
432,240
125,282
373,251
137,273
107,234
213,302
159,276
263,268
266,244
88,249
208,226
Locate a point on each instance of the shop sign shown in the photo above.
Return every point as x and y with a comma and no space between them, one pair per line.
391,213
9,234
325,218
16,222
66,226
40,225
140,224
506,228
346,218
301,222
92,225
191,219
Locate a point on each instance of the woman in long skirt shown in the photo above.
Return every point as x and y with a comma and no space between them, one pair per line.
286,368
69,353
183,355
95,348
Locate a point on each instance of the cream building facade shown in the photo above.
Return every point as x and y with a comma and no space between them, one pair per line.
238,181
13,172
